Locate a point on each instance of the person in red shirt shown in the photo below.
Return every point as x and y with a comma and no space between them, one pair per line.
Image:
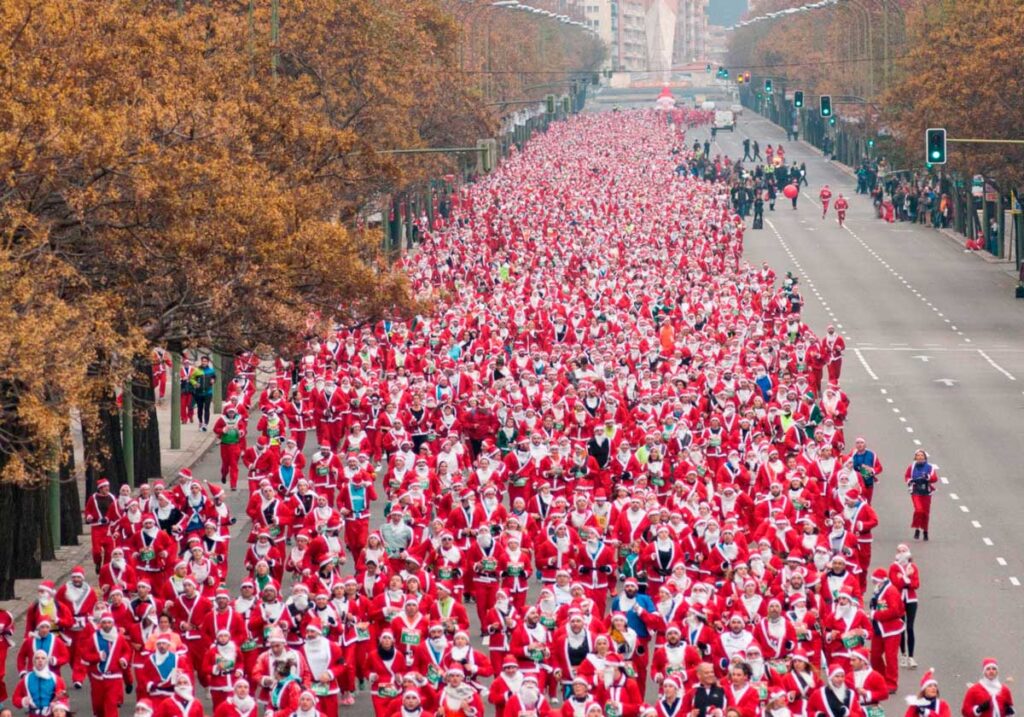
841,206
825,195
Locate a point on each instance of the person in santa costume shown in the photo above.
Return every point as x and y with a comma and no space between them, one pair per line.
458,698
905,575
305,706
835,698
529,700
182,703
800,681
80,600
109,657
230,431
222,666
921,477
868,682
887,611
97,506
927,702
37,690
385,667
159,669
411,705
326,665
988,697
240,703
43,639
670,699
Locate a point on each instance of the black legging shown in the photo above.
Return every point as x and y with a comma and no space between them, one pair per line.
202,408
907,637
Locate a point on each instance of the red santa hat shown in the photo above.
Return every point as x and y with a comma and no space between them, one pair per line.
48,586
989,662
879,574
836,669
146,705
928,678
185,474
102,482
78,572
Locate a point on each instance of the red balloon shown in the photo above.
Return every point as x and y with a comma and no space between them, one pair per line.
790,191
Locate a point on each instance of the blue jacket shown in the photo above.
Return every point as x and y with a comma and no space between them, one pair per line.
632,619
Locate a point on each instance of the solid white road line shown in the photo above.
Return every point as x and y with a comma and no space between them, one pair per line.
864,363
996,366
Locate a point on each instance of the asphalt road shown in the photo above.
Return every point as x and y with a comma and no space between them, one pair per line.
935,359
915,311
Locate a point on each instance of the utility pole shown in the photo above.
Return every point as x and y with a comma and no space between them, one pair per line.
175,400
53,495
218,396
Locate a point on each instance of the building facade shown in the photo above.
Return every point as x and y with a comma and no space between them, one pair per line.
649,35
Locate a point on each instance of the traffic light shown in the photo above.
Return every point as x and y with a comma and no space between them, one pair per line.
746,76
550,99
871,143
768,86
707,68
935,145
825,105
566,104
798,98
832,120
739,78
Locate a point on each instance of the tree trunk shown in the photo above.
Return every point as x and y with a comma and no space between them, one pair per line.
47,548
227,370
27,558
70,502
103,453
8,529
145,425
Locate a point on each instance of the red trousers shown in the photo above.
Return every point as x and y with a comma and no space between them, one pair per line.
229,455
484,594
160,384
78,648
98,534
834,369
218,696
356,533
188,411
641,661
300,439
107,696
600,598
922,511
328,704
884,651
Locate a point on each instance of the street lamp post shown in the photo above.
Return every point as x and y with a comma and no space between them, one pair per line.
870,45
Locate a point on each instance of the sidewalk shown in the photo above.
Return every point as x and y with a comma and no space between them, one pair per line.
194,445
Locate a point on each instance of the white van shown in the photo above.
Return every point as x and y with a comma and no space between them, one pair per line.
725,119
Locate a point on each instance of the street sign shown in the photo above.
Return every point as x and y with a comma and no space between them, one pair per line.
978,186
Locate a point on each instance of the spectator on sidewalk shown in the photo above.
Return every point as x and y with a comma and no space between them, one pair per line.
202,380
